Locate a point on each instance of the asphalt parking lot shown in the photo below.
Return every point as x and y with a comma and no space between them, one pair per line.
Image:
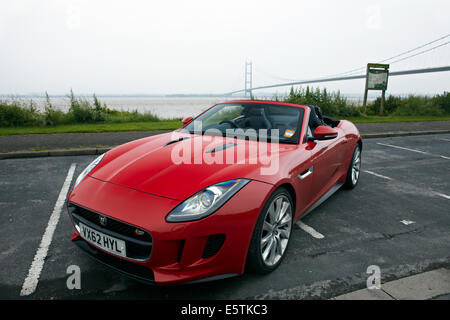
397,218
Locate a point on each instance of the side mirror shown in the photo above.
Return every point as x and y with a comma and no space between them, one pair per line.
186,120
325,133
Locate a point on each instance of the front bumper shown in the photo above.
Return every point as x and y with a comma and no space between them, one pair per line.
181,252
135,271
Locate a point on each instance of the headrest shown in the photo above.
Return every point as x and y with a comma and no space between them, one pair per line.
253,111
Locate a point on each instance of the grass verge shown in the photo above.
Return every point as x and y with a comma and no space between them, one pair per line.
175,124
379,119
94,127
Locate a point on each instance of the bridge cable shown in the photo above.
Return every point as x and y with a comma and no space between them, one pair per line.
396,56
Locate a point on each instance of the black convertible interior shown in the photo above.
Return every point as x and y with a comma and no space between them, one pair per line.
268,118
260,117
286,120
317,119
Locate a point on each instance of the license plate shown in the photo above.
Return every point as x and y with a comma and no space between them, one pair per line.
104,241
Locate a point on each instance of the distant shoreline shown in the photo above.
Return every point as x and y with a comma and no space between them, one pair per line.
42,95
171,96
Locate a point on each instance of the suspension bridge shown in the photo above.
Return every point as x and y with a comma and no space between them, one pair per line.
356,72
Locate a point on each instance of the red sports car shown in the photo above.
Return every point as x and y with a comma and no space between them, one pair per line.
214,197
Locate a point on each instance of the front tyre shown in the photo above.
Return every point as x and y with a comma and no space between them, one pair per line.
354,169
272,233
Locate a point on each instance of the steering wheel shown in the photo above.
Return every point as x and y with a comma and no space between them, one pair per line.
229,122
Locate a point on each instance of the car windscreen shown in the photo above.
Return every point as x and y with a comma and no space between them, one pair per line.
257,121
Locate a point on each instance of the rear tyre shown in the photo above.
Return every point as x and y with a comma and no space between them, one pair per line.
272,233
354,169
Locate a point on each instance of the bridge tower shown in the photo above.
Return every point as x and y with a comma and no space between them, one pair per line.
248,78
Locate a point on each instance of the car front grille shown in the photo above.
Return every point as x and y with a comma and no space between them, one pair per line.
139,243
128,268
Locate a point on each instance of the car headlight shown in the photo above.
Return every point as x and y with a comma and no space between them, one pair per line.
88,169
206,202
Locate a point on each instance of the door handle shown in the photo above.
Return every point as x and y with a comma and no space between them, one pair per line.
306,173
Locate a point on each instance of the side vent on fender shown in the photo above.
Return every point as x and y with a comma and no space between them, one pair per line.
175,141
222,147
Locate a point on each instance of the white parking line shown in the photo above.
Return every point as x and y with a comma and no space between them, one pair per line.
412,150
310,230
31,281
377,175
442,195
387,178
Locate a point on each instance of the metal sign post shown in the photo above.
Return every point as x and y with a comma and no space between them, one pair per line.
376,79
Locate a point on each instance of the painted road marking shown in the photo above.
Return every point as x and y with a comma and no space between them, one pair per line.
310,230
443,139
387,178
377,175
407,222
412,150
442,195
31,281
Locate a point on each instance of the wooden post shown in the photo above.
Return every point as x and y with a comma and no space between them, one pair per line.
383,94
365,90
382,102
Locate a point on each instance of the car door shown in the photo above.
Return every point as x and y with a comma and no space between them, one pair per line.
326,160
302,178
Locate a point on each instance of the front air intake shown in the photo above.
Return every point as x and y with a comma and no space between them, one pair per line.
213,245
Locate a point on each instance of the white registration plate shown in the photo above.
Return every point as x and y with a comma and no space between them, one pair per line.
104,241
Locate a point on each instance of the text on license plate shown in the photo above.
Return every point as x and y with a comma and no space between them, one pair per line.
106,242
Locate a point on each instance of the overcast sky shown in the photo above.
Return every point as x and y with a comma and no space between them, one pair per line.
167,46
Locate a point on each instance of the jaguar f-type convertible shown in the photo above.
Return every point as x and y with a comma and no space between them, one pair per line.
215,198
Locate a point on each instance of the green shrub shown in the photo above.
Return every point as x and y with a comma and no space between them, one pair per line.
54,117
332,104
418,106
443,101
391,104
116,116
82,111
15,113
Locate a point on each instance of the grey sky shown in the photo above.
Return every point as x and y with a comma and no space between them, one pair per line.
152,47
